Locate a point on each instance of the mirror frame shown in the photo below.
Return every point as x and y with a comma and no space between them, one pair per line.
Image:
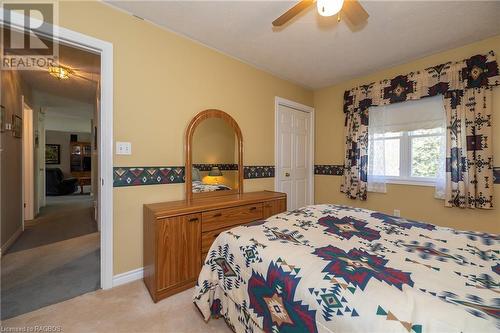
200,117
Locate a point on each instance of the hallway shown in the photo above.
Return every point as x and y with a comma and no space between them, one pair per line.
56,258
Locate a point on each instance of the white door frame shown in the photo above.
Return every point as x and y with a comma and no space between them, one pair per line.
299,107
105,49
40,168
28,166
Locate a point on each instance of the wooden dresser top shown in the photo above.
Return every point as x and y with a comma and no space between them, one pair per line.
171,208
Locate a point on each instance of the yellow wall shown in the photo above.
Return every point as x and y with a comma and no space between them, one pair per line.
414,201
161,80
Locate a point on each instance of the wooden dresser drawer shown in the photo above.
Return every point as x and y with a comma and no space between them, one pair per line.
274,207
222,218
207,238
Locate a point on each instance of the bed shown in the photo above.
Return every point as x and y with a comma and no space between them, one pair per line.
200,187
330,268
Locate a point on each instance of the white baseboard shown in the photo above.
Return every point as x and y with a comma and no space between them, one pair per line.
11,240
133,275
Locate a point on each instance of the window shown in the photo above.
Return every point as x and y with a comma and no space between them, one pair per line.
406,143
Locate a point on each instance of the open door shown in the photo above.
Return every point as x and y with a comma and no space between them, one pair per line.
28,163
40,150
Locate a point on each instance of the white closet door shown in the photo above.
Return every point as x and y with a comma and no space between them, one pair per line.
294,166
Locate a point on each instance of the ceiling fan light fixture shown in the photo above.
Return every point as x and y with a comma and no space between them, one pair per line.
60,72
329,7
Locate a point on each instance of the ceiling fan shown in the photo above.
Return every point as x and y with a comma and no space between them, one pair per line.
350,8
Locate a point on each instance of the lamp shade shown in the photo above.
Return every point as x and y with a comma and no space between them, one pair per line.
215,172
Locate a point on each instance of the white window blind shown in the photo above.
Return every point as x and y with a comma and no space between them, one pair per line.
406,143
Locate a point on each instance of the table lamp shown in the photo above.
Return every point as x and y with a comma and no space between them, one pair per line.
215,172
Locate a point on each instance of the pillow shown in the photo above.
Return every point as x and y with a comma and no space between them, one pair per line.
195,175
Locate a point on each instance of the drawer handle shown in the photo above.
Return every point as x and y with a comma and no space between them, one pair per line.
253,208
218,215
268,206
194,219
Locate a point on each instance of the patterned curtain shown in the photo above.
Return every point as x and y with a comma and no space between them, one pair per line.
469,158
356,160
466,86
355,178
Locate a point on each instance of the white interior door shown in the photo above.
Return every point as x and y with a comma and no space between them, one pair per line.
294,164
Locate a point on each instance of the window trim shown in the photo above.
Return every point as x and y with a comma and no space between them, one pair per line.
405,161
425,181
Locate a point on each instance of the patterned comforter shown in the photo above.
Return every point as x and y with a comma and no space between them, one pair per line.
328,268
199,187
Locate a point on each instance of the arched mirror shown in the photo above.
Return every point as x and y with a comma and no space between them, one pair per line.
214,155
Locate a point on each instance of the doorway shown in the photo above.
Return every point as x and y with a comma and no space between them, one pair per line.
294,151
102,132
104,189
57,254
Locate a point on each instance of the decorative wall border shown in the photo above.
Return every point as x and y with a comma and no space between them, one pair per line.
258,171
338,170
135,176
223,167
329,169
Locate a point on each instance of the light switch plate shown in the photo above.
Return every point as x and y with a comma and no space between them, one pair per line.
397,212
123,148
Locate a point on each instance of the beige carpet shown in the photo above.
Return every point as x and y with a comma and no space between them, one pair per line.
127,308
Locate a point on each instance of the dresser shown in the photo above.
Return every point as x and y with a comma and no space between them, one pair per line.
178,234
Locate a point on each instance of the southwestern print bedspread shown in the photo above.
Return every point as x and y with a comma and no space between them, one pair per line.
328,268
199,187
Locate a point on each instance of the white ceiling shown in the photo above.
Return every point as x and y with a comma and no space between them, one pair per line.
61,106
314,51
79,87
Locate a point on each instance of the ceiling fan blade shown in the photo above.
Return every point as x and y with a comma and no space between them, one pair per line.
292,12
354,12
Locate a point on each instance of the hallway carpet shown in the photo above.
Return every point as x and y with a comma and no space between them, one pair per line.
49,274
63,218
123,309
56,258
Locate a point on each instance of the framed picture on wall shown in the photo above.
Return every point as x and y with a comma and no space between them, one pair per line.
52,154
17,126
2,119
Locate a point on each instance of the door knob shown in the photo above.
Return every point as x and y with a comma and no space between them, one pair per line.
287,174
